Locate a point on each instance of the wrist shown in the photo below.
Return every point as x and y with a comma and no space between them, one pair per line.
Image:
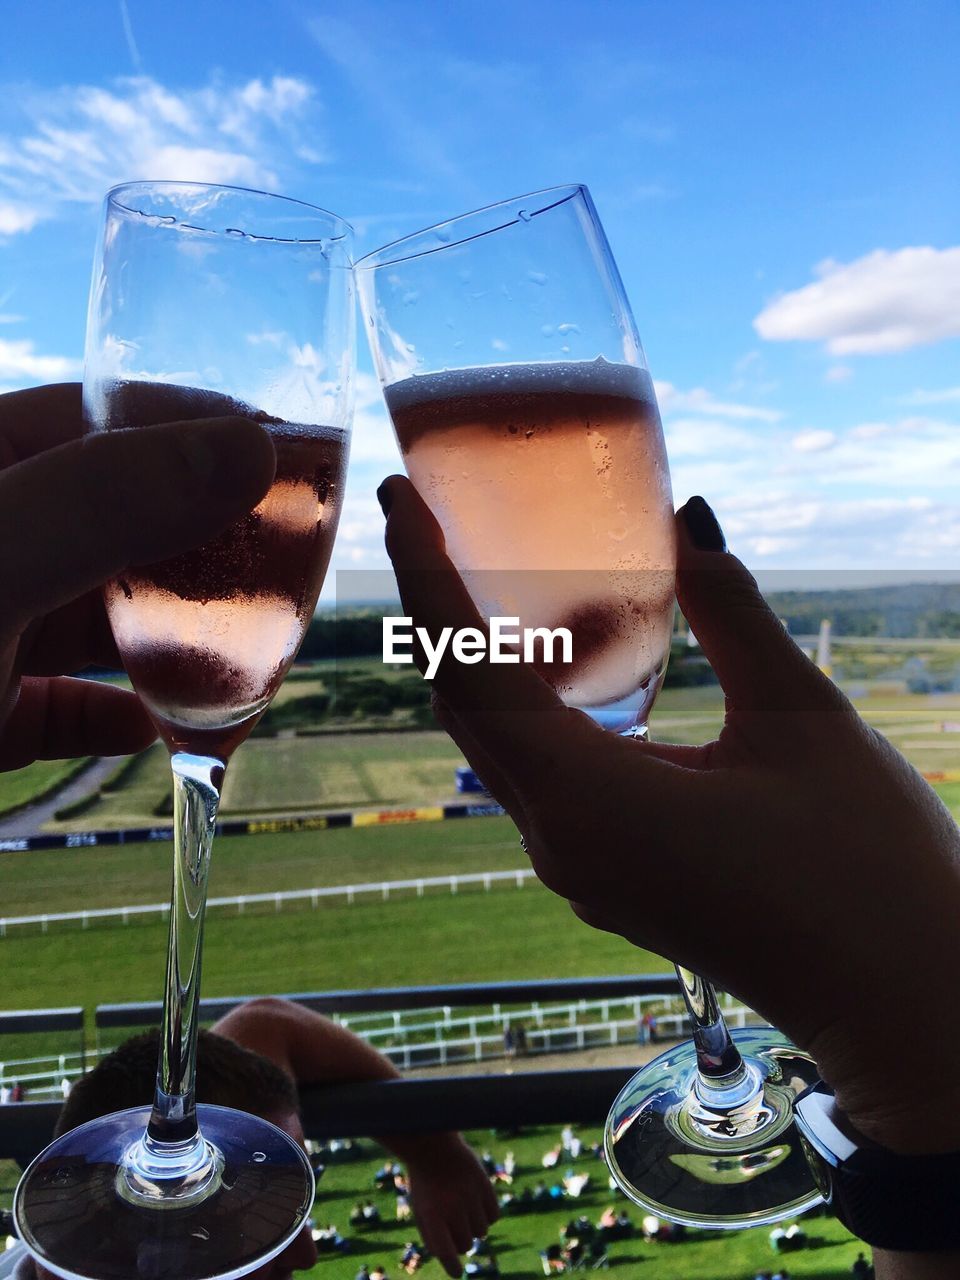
903,1095
412,1148
903,1203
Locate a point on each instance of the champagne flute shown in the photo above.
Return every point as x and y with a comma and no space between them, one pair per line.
525,413
205,302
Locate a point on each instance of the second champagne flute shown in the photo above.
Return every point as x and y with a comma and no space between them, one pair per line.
514,375
206,302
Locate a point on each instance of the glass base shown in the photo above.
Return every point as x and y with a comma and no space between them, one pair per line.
74,1212
704,1160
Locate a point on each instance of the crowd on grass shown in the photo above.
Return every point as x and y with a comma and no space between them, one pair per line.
582,1243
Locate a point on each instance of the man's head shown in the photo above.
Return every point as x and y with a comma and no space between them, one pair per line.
227,1076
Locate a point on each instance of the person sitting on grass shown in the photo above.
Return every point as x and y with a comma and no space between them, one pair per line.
329,1240
574,1183
252,1060
412,1258
552,1259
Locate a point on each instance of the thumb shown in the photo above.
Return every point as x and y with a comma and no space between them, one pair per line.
757,663
72,517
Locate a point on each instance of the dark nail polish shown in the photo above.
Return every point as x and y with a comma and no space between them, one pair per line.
385,498
703,526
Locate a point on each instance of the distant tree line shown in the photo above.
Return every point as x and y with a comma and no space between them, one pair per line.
913,611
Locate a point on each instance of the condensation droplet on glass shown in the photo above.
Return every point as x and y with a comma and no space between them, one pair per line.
443,234
201,1233
566,327
259,1157
547,330
410,297
537,277
410,347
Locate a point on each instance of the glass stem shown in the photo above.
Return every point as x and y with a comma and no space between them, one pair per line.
719,1064
171,1165
196,798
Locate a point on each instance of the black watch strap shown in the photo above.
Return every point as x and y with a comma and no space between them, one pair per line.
891,1201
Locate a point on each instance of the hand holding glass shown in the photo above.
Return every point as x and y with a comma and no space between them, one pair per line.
206,302
514,375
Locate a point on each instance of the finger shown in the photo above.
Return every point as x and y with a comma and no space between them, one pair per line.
437,1239
60,718
38,419
511,713
71,638
85,511
687,757
486,1212
486,769
756,662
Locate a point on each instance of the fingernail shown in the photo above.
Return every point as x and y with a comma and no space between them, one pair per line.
703,526
385,497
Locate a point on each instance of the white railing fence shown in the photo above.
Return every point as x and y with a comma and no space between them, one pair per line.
383,888
565,1028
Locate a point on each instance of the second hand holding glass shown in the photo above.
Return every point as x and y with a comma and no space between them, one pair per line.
207,302
521,400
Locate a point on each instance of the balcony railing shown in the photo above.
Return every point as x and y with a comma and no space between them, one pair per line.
396,1106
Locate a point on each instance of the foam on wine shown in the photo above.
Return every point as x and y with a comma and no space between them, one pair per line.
551,484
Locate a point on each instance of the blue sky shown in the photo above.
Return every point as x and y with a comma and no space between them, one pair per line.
780,184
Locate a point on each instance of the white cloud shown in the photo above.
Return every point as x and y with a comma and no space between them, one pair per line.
838,373
17,217
874,494
946,395
881,533
886,301
83,139
373,440
21,366
813,441
699,400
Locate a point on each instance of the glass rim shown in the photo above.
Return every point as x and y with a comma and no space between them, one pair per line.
112,200
391,254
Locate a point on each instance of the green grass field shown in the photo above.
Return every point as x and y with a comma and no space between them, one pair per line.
507,933
518,1238
118,875
470,936
20,786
